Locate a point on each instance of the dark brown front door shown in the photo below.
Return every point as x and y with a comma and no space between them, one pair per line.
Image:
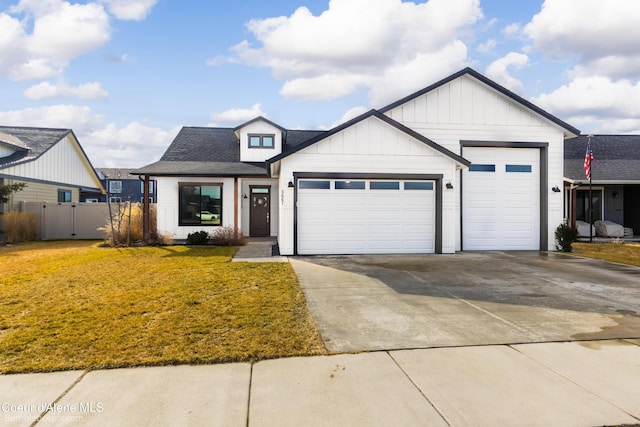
260,211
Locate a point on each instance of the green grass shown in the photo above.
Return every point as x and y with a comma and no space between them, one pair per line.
75,305
624,253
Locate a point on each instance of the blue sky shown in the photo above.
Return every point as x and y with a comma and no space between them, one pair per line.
125,75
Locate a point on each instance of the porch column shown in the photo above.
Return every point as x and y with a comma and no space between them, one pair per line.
146,211
235,206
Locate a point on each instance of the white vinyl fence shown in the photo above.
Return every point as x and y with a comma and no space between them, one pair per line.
68,220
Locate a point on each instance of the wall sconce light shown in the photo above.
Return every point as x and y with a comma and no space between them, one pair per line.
615,194
449,185
290,185
244,196
556,189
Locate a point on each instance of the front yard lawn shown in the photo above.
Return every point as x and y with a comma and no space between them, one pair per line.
624,253
76,305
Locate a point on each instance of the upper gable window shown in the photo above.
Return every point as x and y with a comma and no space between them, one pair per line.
261,141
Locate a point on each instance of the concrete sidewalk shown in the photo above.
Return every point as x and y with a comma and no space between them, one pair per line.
565,384
258,249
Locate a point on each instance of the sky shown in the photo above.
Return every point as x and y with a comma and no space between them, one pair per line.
126,75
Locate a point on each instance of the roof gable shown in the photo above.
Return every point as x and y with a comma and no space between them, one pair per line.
372,113
468,72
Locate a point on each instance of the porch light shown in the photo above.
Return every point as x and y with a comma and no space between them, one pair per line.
449,185
290,185
555,189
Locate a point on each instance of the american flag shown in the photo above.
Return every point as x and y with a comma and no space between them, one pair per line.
588,158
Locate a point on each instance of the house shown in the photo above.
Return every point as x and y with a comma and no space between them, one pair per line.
463,164
121,187
50,161
615,179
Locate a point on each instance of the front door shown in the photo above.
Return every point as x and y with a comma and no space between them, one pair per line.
260,212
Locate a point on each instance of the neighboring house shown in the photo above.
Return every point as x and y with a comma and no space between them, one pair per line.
121,187
463,164
615,179
50,161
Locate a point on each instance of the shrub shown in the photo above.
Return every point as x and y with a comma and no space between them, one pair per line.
125,227
565,236
197,238
227,236
19,226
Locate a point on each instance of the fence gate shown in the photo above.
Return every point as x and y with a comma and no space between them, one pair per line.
68,220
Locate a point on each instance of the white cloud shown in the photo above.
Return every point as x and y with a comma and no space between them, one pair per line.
498,70
487,46
130,9
237,115
359,43
594,32
46,90
597,102
352,113
135,145
132,146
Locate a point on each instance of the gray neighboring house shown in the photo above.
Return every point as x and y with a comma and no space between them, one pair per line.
615,176
51,162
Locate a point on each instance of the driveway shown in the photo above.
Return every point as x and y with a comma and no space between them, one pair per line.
386,302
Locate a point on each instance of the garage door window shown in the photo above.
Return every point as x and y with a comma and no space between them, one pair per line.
482,168
518,168
349,185
418,185
314,185
384,185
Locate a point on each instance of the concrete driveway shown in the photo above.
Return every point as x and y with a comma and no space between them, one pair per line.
386,302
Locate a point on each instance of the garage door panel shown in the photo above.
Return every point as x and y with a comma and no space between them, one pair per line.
501,203
366,221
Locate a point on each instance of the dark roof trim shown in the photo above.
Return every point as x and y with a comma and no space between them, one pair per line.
382,117
493,85
259,119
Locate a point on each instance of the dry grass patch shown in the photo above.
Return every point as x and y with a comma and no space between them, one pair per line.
624,253
75,305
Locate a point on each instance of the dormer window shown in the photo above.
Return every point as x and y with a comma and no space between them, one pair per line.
261,141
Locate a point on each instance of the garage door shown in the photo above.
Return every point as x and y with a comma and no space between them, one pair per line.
341,216
501,199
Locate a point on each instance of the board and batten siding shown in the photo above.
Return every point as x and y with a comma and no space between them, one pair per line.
367,147
466,109
63,163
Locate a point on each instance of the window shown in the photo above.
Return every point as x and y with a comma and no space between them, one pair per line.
384,185
150,187
115,199
518,168
314,185
64,196
349,185
115,186
261,141
200,204
582,205
482,168
418,185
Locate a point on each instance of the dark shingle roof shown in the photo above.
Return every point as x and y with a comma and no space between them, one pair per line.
198,144
36,141
616,158
206,168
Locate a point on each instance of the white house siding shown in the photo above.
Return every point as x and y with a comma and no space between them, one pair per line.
465,109
168,205
370,146
64,163
245,207
259,154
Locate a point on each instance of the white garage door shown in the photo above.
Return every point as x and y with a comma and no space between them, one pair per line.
501,199
339,216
